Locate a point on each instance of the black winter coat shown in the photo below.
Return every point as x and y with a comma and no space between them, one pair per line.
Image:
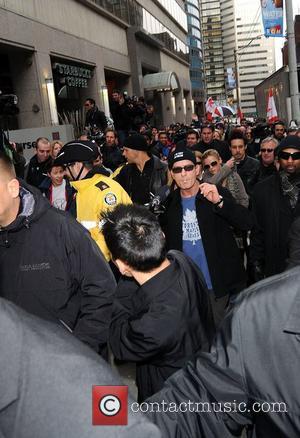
36,172
223,256
251,376
159,177
96,118
50,266
247,169
163,323
273,219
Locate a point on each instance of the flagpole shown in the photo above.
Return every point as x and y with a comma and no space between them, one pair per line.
293,74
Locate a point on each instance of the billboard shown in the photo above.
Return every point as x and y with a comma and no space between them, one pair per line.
272,15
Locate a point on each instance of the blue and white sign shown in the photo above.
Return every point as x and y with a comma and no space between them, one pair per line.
272,15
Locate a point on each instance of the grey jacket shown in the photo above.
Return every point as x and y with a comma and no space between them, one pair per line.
46,383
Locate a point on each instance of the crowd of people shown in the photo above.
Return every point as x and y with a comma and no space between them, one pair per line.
143,241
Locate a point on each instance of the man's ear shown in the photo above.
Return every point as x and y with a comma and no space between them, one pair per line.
123,268
14,188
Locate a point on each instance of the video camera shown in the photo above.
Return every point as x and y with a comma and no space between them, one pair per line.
8,104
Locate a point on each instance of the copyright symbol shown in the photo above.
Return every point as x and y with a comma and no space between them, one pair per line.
109,405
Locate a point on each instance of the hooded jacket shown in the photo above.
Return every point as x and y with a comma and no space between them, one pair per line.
50,266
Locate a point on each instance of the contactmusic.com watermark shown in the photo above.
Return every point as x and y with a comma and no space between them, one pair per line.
110,406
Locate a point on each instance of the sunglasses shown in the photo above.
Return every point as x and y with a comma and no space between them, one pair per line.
208,166
267,150
187,168
286,155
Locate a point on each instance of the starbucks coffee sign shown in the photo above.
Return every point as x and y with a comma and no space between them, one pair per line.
74,76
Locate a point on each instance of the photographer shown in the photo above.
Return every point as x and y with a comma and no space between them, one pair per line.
95,119
122,114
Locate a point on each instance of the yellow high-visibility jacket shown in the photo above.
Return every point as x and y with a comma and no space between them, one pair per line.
95,196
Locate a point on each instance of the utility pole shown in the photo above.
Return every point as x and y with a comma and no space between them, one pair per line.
237,82
293,75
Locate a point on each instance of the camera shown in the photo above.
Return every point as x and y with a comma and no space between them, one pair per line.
8,104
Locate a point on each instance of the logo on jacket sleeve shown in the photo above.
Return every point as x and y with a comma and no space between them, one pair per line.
110,199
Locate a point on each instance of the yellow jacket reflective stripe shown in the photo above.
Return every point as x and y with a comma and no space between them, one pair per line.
95,196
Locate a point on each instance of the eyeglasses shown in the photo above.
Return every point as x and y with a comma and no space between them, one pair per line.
208,166
187,168
286,155
267,150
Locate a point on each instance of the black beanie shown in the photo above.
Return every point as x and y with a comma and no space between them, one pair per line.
136,142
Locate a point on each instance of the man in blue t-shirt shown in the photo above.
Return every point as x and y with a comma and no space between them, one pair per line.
198,220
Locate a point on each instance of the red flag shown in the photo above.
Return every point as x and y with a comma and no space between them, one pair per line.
239,115
271,108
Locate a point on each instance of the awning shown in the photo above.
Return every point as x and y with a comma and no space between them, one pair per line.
163,81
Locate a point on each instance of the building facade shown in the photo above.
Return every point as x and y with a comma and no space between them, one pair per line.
56,54
213,48
192,8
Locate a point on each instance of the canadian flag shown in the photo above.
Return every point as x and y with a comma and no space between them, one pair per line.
240,115
212,109
271,108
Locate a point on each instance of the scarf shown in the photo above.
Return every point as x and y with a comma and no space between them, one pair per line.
290,185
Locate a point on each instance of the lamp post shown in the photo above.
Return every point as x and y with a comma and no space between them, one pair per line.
293,74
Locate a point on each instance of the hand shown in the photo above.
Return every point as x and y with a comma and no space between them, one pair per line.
230,163
210,192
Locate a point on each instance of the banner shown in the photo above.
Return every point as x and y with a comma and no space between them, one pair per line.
230,74
272,15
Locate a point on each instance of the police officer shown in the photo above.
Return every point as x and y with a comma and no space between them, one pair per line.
95,193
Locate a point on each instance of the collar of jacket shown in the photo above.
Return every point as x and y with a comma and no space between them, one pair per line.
293,322
32,206
86,183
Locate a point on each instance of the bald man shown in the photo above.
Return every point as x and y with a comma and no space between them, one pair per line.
49,264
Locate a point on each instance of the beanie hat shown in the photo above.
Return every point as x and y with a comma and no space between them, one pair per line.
136,142
181,154
291,141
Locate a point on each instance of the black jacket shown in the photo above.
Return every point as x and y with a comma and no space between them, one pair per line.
220,146
247,169
223,256
254,359
112,156
158,178
273,219
264,172
47,377
163,323
96,119
50,266
36,172
122,116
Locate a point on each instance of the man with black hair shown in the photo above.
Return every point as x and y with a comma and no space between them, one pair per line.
161,316
247,167
111,153
95,193
49,264
144,174
279,130
94,118
208,142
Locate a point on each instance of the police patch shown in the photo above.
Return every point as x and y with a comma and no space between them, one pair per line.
110,199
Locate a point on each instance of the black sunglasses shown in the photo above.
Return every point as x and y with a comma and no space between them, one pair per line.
187,168
208,166
267,150
286,155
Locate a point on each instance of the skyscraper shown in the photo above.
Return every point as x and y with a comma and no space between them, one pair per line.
196,55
